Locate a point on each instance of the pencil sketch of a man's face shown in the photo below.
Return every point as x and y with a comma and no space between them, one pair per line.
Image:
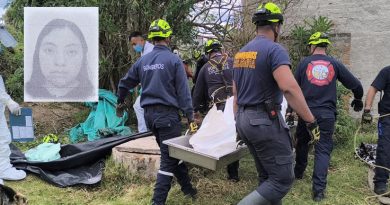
61,57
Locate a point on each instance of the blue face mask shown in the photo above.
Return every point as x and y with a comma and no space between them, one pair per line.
138,48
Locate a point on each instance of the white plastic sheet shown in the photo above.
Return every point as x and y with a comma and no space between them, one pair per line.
217,134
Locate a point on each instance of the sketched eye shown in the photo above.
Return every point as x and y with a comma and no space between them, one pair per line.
72,52
48,51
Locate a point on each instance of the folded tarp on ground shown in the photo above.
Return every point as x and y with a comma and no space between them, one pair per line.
102,116
80,163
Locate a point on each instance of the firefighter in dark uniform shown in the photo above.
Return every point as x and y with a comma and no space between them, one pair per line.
381,83
261,77
201,59
165,91
215,78
317,76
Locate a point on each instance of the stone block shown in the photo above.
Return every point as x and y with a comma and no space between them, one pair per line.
141,156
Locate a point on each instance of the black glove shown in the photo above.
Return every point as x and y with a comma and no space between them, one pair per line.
314,131
290,119
367,117
120,108
357,105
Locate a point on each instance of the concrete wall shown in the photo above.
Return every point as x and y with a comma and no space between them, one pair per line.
368,24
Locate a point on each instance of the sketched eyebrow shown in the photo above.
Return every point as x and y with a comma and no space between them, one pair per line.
72,44
49,43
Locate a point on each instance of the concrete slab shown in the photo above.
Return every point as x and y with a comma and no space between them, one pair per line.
140,156
147,145
144,165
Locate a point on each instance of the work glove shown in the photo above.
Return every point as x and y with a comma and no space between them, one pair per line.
314,131
357,105
289,119
120,108
14,107
192,126
367,117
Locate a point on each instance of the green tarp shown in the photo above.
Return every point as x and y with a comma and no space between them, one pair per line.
102,120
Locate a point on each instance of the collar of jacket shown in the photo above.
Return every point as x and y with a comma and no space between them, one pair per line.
216,55
161,47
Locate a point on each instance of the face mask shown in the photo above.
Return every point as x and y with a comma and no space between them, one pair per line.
138,48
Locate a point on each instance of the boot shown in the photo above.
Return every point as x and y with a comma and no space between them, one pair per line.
232,170
278,203
254,198
181,173
318,196
13,174
380,189
192,194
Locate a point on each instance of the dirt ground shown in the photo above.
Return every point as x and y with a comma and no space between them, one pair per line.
56,118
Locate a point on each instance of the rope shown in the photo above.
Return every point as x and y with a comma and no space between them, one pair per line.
217,101
373,165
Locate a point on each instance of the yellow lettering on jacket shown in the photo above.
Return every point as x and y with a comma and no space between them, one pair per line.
245,60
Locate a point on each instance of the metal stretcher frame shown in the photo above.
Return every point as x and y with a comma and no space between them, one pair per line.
180,148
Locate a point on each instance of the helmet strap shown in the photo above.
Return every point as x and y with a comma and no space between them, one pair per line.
314,49
276,33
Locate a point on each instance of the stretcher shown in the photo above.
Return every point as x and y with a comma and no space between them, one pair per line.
180,148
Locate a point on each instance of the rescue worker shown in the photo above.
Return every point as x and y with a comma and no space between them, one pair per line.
216,73
7,171
165,91
382,84
261,76
201,59
140,45
317,76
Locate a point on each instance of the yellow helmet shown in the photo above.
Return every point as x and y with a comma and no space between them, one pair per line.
267,13
159,28
319,38
211,45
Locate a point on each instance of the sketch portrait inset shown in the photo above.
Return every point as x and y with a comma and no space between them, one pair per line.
60,65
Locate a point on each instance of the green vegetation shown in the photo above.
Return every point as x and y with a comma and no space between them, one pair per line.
347,184
300,34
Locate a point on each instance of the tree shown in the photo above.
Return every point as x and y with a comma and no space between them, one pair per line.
299,35
117,20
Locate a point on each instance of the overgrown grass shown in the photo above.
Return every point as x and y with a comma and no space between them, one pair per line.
347,184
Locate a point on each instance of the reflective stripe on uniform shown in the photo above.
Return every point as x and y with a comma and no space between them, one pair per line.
165,173
180,162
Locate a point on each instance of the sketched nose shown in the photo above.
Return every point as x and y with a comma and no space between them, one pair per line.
59,59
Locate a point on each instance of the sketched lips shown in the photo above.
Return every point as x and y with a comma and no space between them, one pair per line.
57,74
